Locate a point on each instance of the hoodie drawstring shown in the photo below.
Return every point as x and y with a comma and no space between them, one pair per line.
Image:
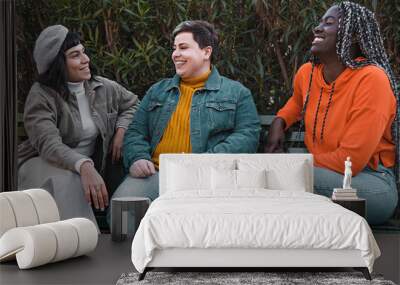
314,134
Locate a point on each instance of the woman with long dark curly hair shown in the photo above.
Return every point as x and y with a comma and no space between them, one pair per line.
73,121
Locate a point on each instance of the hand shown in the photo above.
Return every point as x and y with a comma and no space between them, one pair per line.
93,185
116,145
276,136
142,168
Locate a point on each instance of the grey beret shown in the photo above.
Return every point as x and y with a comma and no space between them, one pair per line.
48,45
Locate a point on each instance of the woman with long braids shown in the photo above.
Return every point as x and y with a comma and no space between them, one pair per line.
348,101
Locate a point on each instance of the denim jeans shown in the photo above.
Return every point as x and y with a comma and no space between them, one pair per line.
376,186
136,187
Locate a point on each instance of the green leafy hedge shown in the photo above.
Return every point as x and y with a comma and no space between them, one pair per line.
262,43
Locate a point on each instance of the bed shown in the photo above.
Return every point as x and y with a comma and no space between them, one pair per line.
247,210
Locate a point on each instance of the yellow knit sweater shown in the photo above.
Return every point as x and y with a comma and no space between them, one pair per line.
176,138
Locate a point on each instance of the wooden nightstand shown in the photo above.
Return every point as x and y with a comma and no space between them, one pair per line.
357,206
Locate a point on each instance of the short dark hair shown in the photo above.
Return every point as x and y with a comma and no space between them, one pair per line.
203,32
56,76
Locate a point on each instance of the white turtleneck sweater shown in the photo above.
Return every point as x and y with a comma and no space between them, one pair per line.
90,131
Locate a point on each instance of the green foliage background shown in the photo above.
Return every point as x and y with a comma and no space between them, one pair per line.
262,42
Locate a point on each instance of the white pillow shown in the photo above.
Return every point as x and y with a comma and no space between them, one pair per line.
251,178
288,174
237,179
287,179
223,179
184,175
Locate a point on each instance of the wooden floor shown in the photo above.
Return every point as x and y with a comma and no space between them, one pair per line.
111,259
389,262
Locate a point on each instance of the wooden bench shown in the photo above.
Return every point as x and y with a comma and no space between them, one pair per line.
386,235
294,141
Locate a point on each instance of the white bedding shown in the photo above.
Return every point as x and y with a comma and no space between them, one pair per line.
252,218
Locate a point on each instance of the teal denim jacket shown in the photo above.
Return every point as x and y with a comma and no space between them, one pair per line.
223,119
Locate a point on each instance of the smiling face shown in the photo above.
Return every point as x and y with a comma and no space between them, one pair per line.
77,63
190,60
325,34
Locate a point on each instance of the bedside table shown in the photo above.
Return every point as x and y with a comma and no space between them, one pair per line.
358,206
120,208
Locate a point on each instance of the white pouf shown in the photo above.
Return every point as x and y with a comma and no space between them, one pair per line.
30,230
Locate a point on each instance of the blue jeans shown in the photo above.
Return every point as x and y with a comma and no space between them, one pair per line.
136,187
378,187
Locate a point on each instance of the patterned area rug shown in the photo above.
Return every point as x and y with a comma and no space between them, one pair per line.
244,278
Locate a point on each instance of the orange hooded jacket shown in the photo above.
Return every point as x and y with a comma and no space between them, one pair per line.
358,122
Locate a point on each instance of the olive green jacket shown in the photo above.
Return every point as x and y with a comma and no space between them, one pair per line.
54,127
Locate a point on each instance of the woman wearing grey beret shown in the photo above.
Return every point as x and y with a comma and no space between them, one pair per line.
73,121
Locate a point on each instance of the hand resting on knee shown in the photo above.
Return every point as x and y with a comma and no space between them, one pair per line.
142,168
94,186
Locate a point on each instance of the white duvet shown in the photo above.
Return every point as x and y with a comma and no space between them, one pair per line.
250,219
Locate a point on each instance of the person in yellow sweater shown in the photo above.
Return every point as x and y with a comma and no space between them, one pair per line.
347,98
196,111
